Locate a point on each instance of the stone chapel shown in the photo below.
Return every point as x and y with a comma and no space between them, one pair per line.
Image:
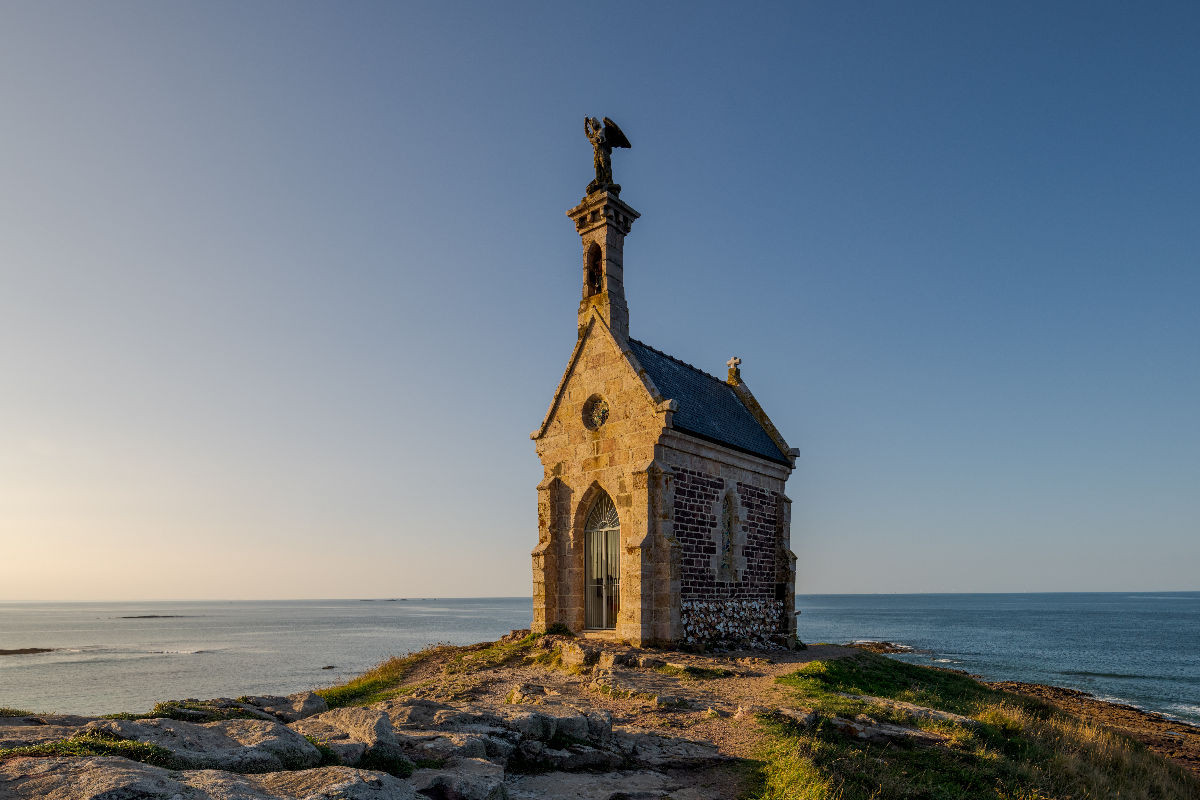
662,517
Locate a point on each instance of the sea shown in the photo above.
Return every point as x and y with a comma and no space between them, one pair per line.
1138,648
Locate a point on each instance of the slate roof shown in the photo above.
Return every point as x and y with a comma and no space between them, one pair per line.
708,407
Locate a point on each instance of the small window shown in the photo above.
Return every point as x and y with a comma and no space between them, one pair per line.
595,274
595,413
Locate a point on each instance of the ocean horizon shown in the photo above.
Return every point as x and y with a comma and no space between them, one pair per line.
1130,647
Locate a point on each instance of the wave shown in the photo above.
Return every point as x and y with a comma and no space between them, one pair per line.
1186,708
1128,676
97,655
946,661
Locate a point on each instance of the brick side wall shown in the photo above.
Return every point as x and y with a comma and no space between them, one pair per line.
697,505
760,512
745,605
697,498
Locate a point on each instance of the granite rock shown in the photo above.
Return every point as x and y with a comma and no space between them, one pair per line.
109,778
356,735
238,745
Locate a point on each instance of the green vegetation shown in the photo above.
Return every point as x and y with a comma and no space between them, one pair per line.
379,683
695,673
14,712
329,757
396,765
387,680
1021,749
188,711
95,743
489,655
559,629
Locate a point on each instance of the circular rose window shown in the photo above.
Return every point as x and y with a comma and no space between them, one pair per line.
595,412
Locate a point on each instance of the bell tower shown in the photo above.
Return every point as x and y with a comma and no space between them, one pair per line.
602,221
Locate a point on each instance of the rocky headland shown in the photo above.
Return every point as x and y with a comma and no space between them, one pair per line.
562,717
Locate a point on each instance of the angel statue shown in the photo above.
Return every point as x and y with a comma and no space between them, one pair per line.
603,140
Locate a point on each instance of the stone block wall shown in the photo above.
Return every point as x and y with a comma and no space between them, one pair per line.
615,457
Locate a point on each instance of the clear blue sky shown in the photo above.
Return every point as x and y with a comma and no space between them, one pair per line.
284,286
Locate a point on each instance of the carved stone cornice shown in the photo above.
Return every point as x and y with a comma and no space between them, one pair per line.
603,208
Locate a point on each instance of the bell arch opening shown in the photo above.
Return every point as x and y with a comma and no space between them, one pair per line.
594,282
602,565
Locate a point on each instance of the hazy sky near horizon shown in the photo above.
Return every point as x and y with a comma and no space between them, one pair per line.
284,286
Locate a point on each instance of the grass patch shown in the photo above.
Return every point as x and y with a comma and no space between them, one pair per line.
489,656
869,674
1022,749
387,680
187,711
329,756
95,743
695,673
14,712
380,682
396,765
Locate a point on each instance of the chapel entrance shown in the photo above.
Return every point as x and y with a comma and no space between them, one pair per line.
602,564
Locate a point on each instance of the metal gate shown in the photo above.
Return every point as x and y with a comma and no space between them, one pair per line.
602,564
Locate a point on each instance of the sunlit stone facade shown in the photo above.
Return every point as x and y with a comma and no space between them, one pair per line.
694,468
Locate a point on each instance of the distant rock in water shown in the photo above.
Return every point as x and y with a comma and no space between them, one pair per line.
25,651
155,616
883,647
329,666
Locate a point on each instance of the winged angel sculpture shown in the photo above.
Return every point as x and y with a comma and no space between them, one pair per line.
603,140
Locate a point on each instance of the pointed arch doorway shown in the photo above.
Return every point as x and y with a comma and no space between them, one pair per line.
602,565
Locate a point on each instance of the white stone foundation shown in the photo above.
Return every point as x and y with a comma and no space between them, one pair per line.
712,621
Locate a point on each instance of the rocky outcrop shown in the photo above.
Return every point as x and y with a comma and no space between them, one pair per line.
655,750
105,778
331,783
39,729
358,736
237,745
804,717
607,785
289,709
463,779
915,711
87,778
869,729
478,736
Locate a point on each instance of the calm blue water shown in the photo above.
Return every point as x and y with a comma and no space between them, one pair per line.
1142,648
